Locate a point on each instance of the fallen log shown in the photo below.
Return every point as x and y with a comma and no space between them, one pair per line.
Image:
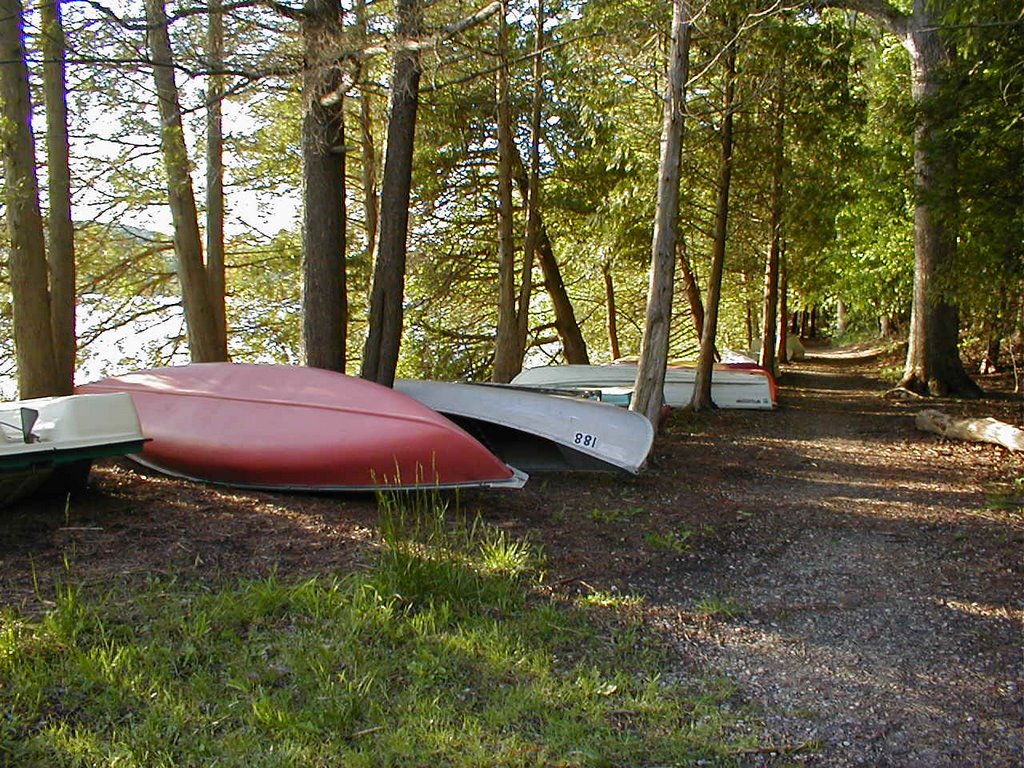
986,430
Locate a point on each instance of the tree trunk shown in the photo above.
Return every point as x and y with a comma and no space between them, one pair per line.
533,196
574,346
368,149
933,362
984,430
215,260
613,323
769,338
33,339
748,314
692,293
324,289
782,341
508,355
701,399
650,378
205,343
380,354
61,249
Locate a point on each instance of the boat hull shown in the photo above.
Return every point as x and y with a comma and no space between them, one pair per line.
540,432
282,427
47,445
731,388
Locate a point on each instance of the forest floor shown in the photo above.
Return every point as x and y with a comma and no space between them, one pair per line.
858,581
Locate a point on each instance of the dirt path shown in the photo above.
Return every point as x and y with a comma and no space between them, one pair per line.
870,602
851,575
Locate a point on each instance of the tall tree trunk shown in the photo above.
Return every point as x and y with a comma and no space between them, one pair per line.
933,362
215,260
324,288
205,343
61,247
508,355
701,399
770,321
650,378
533,198
367,147
574,346
38,375
380,354
609,300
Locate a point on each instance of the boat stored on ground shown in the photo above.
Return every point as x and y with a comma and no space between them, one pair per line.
537,431
48,444
280,427
731,387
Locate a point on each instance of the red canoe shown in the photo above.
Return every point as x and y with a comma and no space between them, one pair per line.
283,427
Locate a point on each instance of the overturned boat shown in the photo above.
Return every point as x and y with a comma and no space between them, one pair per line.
537,431
732,387
48,444
279,427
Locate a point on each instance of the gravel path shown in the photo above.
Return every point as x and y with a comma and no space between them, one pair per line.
870,613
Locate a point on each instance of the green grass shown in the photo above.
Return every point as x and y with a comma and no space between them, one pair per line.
676,541
713,605
445,653
1005,496
614,515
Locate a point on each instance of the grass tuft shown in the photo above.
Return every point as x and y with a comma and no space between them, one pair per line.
714,605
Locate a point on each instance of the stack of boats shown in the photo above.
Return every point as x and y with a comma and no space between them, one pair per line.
282,427
290,428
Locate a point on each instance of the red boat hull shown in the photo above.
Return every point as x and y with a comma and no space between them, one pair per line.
287,427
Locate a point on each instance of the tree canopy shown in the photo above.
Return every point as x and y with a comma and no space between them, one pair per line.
826,136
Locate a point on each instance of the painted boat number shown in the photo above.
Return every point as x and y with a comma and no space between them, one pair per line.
587,441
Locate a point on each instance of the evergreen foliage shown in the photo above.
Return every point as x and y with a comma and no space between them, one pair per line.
847,171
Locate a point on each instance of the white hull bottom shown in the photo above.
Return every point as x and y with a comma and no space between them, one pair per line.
730,389
536,431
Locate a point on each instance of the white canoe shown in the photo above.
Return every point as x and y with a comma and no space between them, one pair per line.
52,441
535,431
732,388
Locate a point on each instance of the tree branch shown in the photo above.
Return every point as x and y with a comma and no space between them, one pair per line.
447,33
891,19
